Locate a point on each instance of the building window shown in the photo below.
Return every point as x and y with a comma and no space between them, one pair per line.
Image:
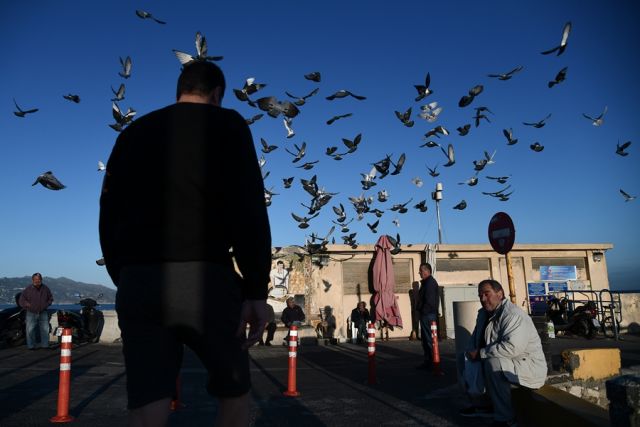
356,279
462,271
474,264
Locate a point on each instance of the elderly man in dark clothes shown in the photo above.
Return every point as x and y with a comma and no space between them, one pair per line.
360,317
35,299
427,305
292,315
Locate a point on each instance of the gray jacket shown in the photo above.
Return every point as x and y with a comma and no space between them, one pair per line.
511,337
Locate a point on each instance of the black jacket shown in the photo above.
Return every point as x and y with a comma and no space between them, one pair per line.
428,296
183,184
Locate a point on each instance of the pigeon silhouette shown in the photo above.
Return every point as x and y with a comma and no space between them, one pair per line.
421,206
405,117
287,125
21,113
266,148
464,130
287,182
201,52
560,77
146,15
314,76
126,67
334,118
468,99
508,133
274,108
539,124
423,90
620,148
537,147
300,154
301,100
72,98
508,75
344,93
450,156
461,206
254,119
597,121
119,94
563,42
433,172
48,180
627,196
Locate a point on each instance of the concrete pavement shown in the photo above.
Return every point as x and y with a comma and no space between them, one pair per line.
332,381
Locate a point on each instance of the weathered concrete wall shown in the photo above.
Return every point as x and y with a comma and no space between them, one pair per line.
592,363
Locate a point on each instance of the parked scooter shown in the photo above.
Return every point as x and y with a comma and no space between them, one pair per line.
582,321
13,325
86,324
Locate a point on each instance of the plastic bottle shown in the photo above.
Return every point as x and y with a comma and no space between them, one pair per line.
551,330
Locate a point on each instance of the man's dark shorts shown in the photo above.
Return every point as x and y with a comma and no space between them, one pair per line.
163,306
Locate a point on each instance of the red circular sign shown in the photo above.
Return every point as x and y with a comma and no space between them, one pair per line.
502,233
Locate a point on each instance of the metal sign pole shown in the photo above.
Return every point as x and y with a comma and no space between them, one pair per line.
512,287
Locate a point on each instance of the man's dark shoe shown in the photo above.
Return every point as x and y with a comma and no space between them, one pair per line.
268,343
475,412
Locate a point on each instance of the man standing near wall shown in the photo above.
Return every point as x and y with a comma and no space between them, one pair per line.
427,306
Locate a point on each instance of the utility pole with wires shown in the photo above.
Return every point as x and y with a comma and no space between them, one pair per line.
437,196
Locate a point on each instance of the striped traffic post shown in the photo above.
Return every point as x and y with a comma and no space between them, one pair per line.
436,351
371,352
293,355
64,385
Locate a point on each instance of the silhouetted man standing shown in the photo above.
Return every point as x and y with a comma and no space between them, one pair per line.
427,305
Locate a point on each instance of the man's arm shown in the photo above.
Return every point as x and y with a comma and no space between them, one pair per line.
251,236
24,300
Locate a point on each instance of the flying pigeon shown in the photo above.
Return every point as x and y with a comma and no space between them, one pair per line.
396,244
500,179
437,131
274,108
287,125
373,227
597,121
314,76
396,222
464,130
48,180
401,207
254,119
352,145
468,99
405,117
423,90
563,43
301,152
508,75
100,262
340,212
461,206
627,196
302,100
266,148
126,67
21,112
101,166
146,15
121,119
417,181
398,166
421,206
383,196
433,172
201,52
508,133
303,221
620,148
344,93
430,112
430,144
72,98
309,165
560,77
537,147
539,124
249,88
471,181
450,156
119,94
334,118
287,182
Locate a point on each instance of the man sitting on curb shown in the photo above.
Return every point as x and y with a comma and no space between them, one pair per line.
507,344
292,315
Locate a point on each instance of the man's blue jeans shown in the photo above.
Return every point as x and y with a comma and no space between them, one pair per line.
37,321
425,336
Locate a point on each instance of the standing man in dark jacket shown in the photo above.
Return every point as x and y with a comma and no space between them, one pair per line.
427,305
182,199
35,299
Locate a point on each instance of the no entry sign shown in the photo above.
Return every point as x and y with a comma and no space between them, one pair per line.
502,233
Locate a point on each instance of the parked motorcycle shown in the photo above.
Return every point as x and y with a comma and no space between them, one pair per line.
13,325
86,324
582,321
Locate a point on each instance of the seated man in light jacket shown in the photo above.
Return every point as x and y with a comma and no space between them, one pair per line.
507,344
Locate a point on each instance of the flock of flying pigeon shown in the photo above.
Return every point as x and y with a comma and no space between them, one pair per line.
289,109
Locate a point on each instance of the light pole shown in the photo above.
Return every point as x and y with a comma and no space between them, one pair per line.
437,196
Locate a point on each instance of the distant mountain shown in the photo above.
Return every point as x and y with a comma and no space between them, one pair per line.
64,290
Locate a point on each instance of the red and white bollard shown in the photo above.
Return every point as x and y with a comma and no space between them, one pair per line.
176,404
64,385
436,351
371,352
293,360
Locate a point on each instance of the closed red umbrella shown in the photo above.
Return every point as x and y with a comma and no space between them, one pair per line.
384,284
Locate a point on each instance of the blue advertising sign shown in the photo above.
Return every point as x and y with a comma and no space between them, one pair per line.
561,286
536,288
558,272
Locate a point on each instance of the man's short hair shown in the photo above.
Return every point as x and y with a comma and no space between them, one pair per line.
36,275
280,263
292,299
426,266
495,285
200,78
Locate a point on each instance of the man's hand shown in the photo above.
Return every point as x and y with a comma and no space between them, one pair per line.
255,314
473,354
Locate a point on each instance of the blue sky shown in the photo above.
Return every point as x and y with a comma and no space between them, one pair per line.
569,193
